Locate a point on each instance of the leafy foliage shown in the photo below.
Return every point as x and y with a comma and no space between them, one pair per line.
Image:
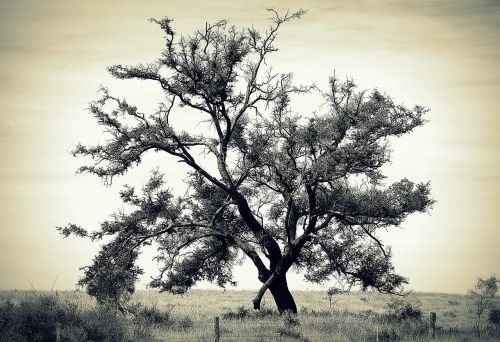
482,295
298,190
494,318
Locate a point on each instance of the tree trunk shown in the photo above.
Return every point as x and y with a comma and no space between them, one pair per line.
282,295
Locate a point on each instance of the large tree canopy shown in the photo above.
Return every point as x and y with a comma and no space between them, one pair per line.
291,189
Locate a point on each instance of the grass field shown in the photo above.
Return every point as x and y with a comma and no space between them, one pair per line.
356,316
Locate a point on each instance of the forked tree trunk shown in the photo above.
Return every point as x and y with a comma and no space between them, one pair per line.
282,295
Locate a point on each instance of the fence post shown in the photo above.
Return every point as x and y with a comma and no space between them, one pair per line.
432,325
377,332
216,329
58,332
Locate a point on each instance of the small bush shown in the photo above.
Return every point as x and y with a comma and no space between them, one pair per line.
331,293
483,295
453,302
401,310
494,318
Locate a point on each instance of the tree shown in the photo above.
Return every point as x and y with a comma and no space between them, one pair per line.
332,291
483,294
289,190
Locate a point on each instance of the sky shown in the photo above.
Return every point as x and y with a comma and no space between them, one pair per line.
444,55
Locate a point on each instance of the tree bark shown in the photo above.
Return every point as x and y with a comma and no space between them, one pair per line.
282,295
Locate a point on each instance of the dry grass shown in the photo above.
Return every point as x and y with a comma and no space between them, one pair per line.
356,316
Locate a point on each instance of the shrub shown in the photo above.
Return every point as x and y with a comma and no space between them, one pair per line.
330,293
34,319
401,310
494,318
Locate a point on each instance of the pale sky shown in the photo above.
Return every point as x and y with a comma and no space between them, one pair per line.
444,55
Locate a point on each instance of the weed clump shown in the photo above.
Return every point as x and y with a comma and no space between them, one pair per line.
244,313
290,328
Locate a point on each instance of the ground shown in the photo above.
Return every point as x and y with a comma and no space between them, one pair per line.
356,316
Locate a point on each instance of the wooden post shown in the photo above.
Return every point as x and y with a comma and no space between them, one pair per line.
377,332
432,325
216,329
58,332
